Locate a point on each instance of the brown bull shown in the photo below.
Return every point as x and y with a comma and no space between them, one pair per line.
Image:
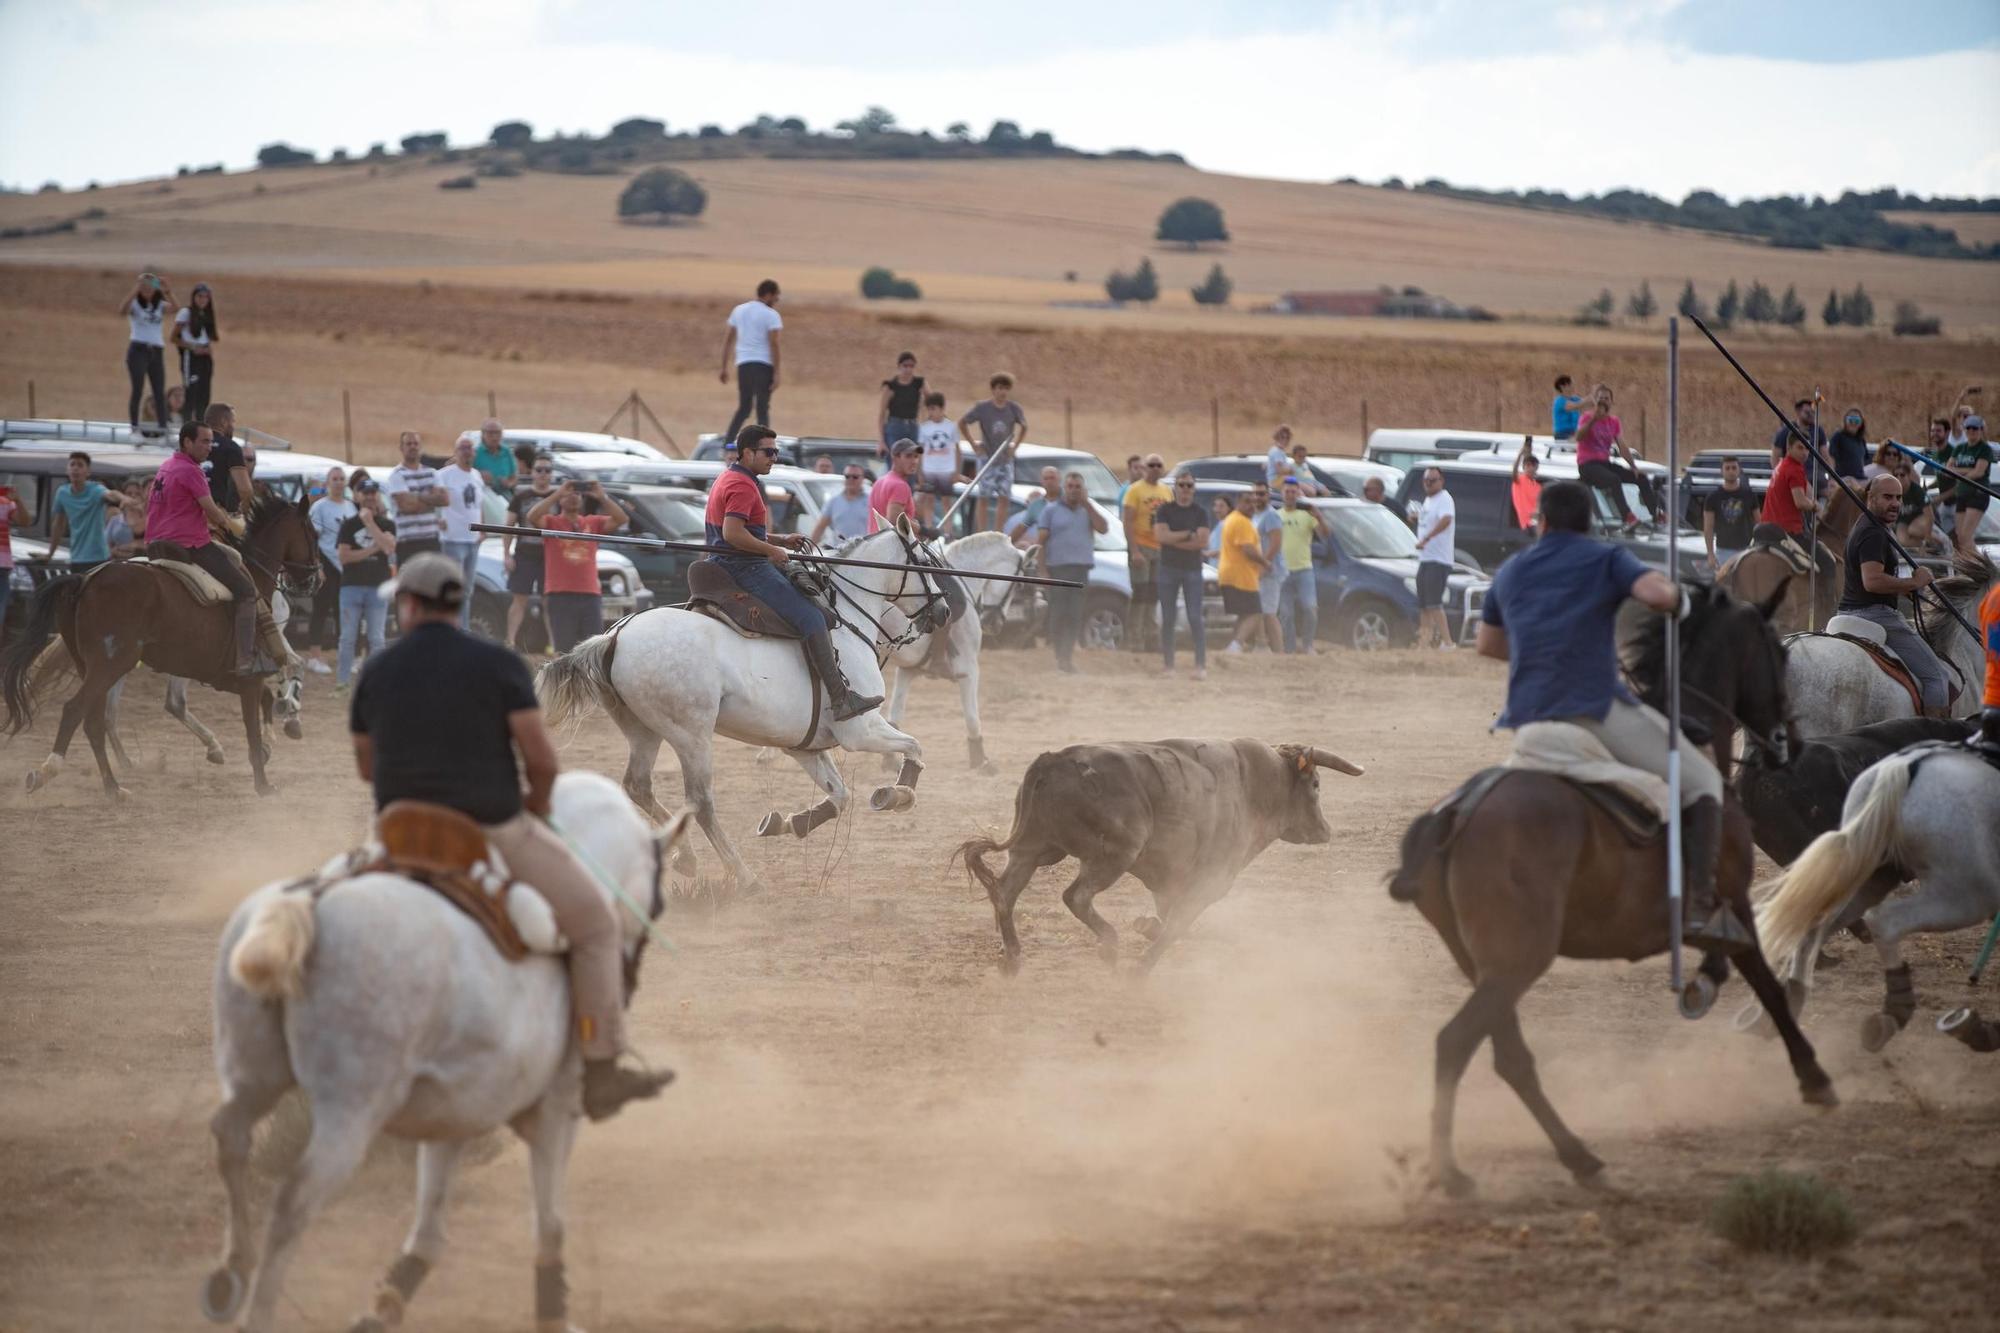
1182,817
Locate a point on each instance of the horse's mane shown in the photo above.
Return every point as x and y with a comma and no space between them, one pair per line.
977,543
1647,655
1978,571
265,510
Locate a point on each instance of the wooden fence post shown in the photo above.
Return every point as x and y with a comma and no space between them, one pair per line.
1496,405
31,398
1642,430
1215,423
1069,436
346,427
492,404
1364,423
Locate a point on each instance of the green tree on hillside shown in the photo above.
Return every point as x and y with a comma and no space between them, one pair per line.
1191,221
1830,313
512,134
1141,284
1791,310
1215,288
1857,308
1640,304
662,193
1726,308
638,128
958,132
423,143
1760,307
1690,305
875,120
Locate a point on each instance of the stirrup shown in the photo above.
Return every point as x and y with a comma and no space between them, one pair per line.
851,705
1718,930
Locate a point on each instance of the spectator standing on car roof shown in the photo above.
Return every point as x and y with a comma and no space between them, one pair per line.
1728,516
1302,469
1563,412
524,557
1142,548
1298,602
464,486
751,345
1067,536
1526,486
194,335
328,514
146,308
1002,425
1278,458
1182,529
1599,435
1436,553
496,462
901,401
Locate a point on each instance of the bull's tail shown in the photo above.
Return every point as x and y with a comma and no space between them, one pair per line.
17,663
1838,861
975,850
1423,857
578,681
270,960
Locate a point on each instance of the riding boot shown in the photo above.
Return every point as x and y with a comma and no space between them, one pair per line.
608,1085
249,662
1707,922
846,703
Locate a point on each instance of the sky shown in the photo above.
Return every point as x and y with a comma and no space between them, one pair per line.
1745,97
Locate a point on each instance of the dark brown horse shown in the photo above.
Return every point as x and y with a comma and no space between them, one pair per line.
1806,603
126,613
1538,870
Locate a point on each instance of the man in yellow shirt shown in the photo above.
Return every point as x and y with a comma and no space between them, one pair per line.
1142,550
1241,563
1298,597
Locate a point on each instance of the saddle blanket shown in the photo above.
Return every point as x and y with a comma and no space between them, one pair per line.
200,584
518,920
1569,751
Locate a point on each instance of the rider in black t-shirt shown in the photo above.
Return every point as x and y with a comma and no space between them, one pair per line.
440,716
1873,586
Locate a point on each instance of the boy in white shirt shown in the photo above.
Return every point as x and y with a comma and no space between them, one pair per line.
938,434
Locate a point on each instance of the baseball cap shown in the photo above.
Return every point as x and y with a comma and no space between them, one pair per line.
1975,422
433,576
902,447
368,486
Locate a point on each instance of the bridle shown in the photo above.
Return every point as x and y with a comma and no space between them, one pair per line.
924,620
1712,708
284,575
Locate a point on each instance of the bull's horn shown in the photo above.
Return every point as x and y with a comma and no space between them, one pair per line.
1328,759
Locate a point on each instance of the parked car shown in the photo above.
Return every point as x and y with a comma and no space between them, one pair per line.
1484,523
1406,449
673,513
1366,577
93,437
1353,473
36,474
1108,594
1248,468
795,495
1704,474
556,442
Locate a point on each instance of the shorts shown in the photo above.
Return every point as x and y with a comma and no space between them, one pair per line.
1973,501
1242,602
1431,580
999,479
936,485
1270,594
526,578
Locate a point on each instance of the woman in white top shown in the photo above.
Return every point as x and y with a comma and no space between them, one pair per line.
194,334
147,307
326,515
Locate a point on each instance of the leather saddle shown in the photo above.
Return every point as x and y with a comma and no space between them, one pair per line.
446,851
714,593
1633,818
200,584
1771,537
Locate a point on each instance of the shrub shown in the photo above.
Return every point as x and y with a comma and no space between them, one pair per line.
1830,313
422,143
500,167
1141,284
1912,322
1760,307
1783,1212
1191,221
1597,314
459,183
1214,290
1857,308
638,128
663,193
512,134
283,155
710,132
882,284
1791,310
1726,308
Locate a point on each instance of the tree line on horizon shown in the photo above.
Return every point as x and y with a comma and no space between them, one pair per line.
1758,305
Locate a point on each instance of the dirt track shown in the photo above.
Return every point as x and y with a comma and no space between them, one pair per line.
873,1129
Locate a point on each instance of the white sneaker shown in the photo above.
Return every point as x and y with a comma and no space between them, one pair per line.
1447,646
1234,647
1201,673
317,667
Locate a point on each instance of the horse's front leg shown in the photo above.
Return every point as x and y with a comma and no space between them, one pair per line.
250,697
819,766
968,698
871,733
425,1245
550,1131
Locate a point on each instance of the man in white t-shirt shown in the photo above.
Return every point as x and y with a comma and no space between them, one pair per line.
414,498
464,487
751,345
1435,555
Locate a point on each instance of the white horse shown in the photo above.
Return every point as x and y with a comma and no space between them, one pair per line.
1929,813
1835,686
958,656
394,1013
683,677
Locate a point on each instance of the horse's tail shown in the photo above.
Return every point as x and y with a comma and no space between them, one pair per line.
1837,862
578,681
270,960
18,661
975,850
1421,856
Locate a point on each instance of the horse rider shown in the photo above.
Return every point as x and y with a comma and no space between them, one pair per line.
444,717
179,511
737,523
1551,616
1872,590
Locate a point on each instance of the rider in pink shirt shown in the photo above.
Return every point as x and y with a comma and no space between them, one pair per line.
179,510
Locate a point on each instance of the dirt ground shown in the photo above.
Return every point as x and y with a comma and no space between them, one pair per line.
874,1130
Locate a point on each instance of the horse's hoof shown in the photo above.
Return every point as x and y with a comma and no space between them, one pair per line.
367,1323
1876,1030
294,730
1010,964
1148,927
888,799
222,1295
1752,1021
117,794
215,756
1697,997
34,780
773,825
1455,1184
267,789
1819,1094
684,862
1589,1174
986,769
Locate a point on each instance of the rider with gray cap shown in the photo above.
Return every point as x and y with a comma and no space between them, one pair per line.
443,717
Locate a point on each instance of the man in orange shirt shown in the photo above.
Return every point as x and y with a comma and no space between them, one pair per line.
571,596
1989,633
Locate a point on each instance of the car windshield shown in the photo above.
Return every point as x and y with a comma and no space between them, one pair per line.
1099,482
1370,532
664,516
822,489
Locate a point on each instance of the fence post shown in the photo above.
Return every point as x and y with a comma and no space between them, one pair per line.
1642,430
492,404
635,414
31,398
1069,437
1364,423
346,427
1215,423
1496,406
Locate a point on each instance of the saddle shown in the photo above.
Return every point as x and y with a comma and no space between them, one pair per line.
713,593
1771,537
1634,818
200,584
446,852
1873,640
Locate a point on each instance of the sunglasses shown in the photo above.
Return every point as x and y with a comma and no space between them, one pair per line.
769,451
1154,467
1183,485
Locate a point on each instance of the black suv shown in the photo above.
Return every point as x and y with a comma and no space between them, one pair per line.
1249,468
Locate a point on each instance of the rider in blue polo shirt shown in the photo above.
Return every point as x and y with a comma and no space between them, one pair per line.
737,526
1551,616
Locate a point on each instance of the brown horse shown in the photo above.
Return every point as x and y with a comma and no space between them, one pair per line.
1761,572
1538,870
122,614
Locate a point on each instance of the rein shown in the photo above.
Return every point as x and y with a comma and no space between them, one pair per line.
883,642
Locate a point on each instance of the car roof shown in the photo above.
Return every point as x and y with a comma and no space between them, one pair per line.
111,462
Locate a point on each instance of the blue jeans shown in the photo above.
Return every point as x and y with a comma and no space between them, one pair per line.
1298,609
761,579
356,603
898,428
1178,586
467,556
1932,682
1066,611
